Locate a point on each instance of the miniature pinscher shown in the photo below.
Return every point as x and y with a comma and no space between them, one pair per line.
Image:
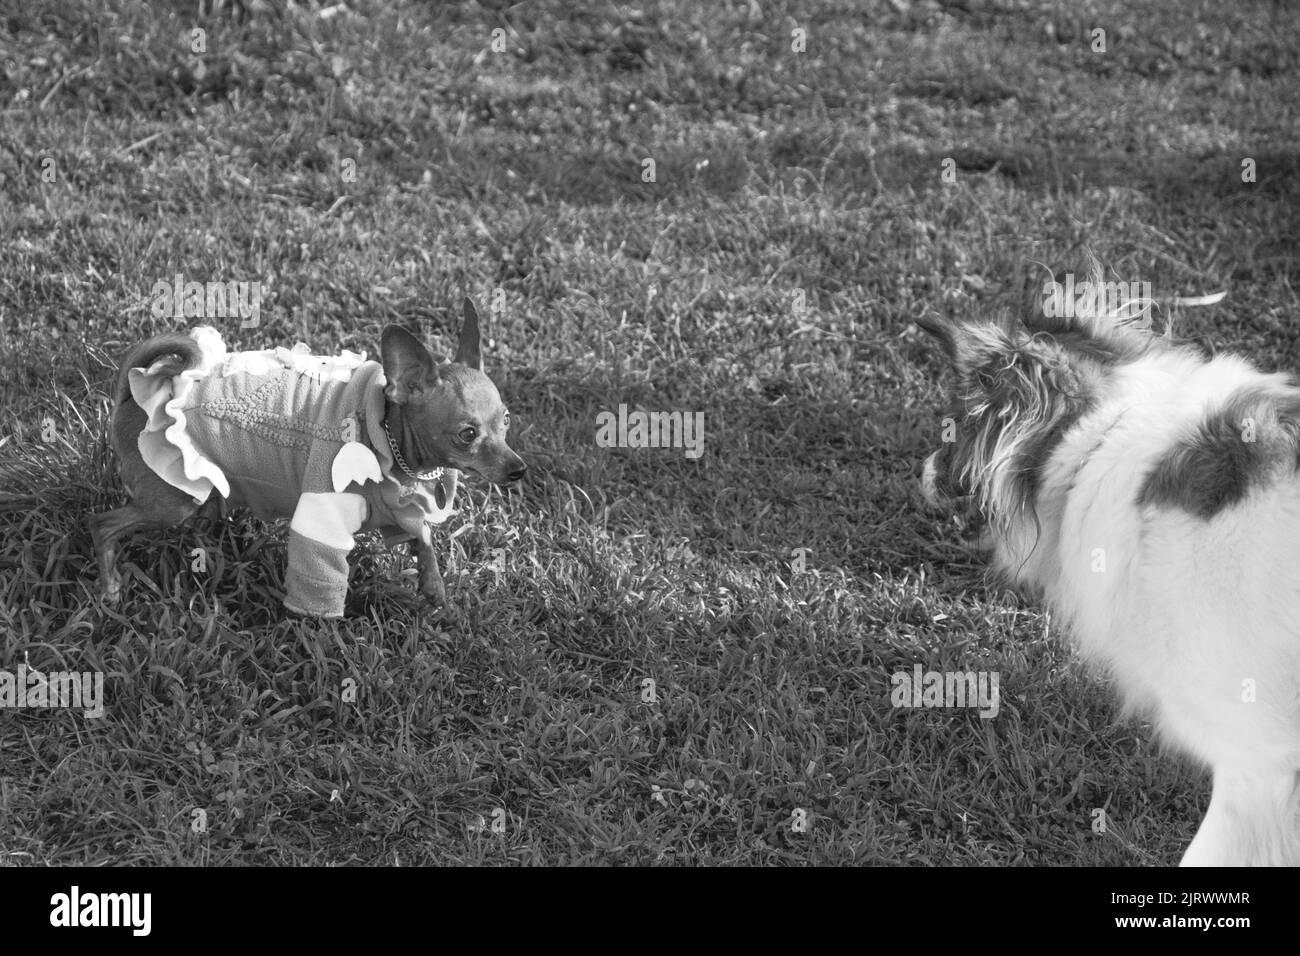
334,443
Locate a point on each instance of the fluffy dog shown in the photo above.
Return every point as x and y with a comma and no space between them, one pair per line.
1150,496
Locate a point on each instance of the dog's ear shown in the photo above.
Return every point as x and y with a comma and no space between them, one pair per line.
941,331
408,366
467,350
965,344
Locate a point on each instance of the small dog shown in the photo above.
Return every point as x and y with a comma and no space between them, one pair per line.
1150,495
335,443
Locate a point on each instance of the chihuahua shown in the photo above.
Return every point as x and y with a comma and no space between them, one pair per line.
334,443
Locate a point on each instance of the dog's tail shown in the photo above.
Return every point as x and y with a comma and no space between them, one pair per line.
183,351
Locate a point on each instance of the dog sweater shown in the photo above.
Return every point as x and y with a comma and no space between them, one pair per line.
288,434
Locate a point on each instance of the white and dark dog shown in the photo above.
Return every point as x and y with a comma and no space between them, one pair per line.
1150,497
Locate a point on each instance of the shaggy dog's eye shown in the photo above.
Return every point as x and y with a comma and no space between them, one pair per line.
467,434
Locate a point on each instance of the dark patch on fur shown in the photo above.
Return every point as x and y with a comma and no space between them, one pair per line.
1034,461
1069,384
1216,467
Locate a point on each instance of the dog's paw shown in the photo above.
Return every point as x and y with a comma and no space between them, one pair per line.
433,590
425,606
397,591
112,592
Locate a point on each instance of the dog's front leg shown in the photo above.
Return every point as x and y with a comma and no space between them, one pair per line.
431,585
320,537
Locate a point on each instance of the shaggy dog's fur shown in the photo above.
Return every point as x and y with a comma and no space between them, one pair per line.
1149,495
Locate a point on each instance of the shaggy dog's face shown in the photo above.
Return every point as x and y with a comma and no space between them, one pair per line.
1019,389
1015,393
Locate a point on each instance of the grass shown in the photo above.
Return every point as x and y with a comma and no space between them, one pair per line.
126,158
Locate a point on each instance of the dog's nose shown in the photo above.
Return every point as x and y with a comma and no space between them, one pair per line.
518,472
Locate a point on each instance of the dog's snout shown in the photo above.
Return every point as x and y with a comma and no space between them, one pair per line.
940,489
516,473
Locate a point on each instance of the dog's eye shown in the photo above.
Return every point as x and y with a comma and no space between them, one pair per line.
506,422
467,434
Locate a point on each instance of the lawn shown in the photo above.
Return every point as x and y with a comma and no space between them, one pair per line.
649,658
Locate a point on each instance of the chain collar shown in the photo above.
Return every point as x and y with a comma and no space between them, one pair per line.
401,462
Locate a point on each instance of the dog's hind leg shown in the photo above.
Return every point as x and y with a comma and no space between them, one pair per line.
166,507
108,530
1253,819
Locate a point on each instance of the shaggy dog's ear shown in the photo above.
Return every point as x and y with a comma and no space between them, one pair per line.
1067,299
941,331
967,345
1084,300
